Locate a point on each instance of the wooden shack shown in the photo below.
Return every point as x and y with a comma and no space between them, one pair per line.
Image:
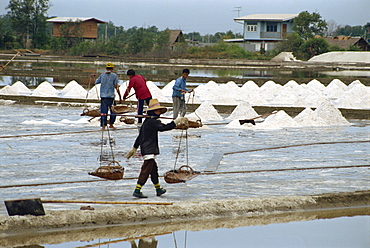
89,25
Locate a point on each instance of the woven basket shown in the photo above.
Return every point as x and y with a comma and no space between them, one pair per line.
183,174
91,113
121,109
127,120
191,124
109,172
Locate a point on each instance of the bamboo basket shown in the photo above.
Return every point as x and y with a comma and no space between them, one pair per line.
121,109
91,113
127,120
183,174
109,172
191,124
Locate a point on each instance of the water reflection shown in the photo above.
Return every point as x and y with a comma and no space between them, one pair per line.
297,229
32,74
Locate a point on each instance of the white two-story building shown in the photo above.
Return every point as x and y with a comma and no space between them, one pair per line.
263,31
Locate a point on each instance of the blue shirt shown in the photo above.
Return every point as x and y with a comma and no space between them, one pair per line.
108,80
180,84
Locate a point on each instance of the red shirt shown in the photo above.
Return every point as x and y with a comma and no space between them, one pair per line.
138,82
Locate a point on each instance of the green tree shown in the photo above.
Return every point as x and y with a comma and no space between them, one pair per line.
6,34
28,20
313,47
351,31
308,25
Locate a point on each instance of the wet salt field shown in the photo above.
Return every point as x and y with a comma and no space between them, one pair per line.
73,152
47,144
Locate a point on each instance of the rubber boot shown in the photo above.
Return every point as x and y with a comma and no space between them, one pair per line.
138,194
160,191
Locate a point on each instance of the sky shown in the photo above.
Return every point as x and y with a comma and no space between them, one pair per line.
203,16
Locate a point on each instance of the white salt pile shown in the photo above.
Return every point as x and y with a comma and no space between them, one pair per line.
94,92
335,89
354,96
279,120
8,90
243,111
167,90
205,112
330,114
73,90
45,89
21,88
309,118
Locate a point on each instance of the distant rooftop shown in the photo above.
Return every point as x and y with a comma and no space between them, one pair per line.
267,17
73,19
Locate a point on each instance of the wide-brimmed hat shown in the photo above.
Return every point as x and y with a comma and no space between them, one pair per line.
154,105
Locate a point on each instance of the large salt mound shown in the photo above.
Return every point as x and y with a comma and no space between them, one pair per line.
270,90
21,88
8,90
123,88
227,94
207,92
242,111
73,90
276,121
357,97
167,90
45,89
330,114
342,57
206,112
94,92
335,89
156,92
279,120
309,118
285,97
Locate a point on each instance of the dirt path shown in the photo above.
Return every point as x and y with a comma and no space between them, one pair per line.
185,211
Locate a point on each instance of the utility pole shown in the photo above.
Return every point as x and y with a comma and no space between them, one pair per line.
237,9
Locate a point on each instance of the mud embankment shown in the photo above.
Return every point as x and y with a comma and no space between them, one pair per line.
186,211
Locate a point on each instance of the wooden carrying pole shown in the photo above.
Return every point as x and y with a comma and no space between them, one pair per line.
3,66
107,202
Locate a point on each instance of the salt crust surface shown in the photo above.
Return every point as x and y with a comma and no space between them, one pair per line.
326,100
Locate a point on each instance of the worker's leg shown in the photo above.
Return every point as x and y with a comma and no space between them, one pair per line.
146,170
113,115
182,108
176,106
104,105
140,108
155,179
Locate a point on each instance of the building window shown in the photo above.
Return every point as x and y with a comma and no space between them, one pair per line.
271,27
251,26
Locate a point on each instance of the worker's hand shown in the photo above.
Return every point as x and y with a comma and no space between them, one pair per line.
181,121
131,153
92,75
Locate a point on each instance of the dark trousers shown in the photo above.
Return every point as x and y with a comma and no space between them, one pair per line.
105,105
140,107
149,167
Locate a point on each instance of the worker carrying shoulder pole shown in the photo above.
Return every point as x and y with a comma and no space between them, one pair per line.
148,142
109,82
178,94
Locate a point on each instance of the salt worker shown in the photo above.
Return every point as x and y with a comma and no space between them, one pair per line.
178,94
142,92
109,82
148,142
